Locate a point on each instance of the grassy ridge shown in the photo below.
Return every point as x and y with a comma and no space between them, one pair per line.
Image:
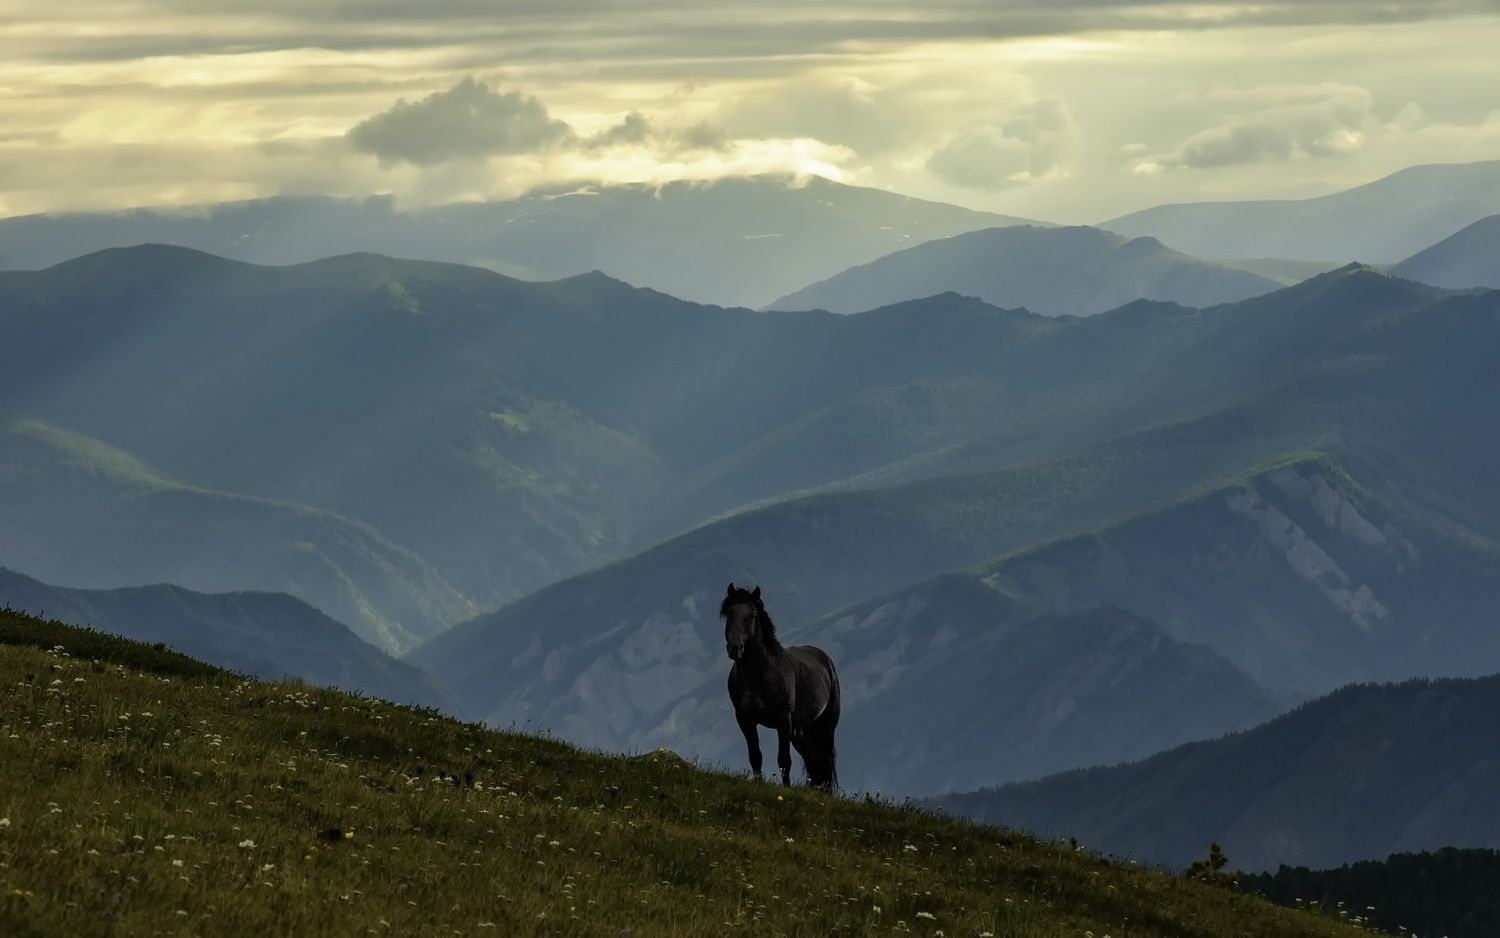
146,795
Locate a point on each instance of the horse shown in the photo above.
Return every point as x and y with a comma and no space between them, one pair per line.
792,690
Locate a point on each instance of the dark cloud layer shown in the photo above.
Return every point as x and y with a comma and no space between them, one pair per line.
1334,125
468,121
472,121
622,30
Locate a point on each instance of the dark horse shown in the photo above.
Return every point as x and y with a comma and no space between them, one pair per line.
793,690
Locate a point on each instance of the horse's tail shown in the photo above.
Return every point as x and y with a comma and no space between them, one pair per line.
837,700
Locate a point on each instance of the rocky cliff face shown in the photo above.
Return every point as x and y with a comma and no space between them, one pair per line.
1296,576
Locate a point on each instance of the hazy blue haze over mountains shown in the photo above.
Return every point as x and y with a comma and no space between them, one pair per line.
1342,364
1074,271
1469,258
413,425
78,512
266,635
1297,579
509,433
1362,773
1377,223
737,242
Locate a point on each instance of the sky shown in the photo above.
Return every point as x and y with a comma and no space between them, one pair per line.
1073,111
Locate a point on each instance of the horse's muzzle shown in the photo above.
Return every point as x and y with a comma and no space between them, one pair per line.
734,650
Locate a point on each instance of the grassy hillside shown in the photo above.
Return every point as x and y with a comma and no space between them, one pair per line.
79,512
145,793
1366,771
1074,271
266,635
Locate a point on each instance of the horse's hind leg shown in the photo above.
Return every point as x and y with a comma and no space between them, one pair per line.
752,741
810,751
784,752
817,754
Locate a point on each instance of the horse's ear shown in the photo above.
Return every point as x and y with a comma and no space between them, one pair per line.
731,588
755,593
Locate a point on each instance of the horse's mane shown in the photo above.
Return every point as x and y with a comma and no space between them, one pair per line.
745,596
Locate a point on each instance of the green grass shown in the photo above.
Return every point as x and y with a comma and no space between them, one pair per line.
146,794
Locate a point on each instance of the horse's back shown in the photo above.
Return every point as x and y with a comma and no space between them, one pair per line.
813,656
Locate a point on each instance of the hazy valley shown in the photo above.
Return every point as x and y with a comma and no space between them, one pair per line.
1052,498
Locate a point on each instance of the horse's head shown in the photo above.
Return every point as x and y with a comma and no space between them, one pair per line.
741,611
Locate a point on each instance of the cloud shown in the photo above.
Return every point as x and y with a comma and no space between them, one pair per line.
842,109
635,129
638,130
658,30
471,123
175,101
1035,141
466,122
1335,123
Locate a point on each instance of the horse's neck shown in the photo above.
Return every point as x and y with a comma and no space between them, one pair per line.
764,651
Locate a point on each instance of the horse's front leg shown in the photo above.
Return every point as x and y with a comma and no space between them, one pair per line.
784,751
752,741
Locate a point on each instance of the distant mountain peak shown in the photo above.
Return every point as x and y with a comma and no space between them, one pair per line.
700,240
155,263
1076,270
1381,221
1468,258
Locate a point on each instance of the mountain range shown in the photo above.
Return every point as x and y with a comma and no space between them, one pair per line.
1068,524
469,429
1301,533
1380,222
1074,271
1366,771
740,241
1468,258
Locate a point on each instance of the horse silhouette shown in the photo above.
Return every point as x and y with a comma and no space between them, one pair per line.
793,690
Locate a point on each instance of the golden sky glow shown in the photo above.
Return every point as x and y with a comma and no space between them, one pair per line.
1067,111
